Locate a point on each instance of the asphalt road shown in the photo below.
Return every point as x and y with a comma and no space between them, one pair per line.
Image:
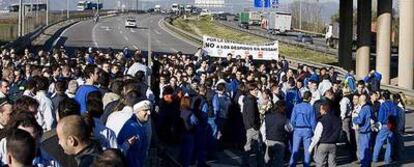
111,33
290,35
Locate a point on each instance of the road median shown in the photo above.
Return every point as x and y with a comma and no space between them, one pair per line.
205,26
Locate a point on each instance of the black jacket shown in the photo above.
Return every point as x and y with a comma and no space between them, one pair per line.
275,126
331,129
50,143
86,157
251,115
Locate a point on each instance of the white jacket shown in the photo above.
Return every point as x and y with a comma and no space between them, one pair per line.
44,115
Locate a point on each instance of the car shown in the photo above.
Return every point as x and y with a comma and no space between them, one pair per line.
304,38
244,25
130,23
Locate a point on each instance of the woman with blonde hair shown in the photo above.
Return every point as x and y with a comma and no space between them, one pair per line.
188,123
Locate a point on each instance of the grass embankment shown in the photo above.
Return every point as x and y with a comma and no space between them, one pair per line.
7,32
204,26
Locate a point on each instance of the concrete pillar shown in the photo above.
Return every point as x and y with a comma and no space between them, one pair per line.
406,45
364,38
384,39
345,34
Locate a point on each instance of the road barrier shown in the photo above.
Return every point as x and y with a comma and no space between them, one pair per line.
26,40
294,63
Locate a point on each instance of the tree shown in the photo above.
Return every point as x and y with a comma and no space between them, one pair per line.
311,16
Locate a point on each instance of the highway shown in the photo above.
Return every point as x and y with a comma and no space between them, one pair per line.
289,35
111,33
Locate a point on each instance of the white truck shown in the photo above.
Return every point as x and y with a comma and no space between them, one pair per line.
157,8
175,8
255,18
279,22
188,8
332,36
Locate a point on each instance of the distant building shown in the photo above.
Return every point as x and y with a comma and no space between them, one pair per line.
28,7
210,3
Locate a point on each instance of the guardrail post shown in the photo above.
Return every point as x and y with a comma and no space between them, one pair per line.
11,33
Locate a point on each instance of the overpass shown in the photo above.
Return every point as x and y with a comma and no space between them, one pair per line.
383,41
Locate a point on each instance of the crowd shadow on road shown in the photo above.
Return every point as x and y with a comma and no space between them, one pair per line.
71,51
408,158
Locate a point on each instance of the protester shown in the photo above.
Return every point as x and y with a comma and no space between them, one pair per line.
91,76
50,141
326,136
134,127
251,120
233,102
387,118
110,158
75,141
45,114
398,146
363,120
27,122
189,121
5,114
277,127
303,120
346,107
4,88
21,148
105,136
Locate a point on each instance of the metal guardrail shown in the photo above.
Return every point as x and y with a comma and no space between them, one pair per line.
295,62
317,34
56,37
321,49
24,41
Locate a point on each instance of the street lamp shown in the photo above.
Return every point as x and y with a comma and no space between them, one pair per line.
67,9
47,12
300,14
19,26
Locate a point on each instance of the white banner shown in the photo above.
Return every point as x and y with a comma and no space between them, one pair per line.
216,47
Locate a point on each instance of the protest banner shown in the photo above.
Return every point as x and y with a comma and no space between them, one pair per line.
216,47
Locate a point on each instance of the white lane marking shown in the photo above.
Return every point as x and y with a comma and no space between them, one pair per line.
174,50
132,30
93,36
63,33
136,47
126,38
157,32
176,36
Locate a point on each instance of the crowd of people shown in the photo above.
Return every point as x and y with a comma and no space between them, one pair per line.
108,108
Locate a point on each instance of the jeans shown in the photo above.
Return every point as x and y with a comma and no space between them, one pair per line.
302,135
383,135
364,149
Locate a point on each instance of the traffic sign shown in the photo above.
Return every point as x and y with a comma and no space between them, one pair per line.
259,3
